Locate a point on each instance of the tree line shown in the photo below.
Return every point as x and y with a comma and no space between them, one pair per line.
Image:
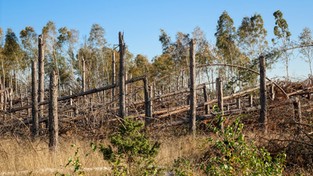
64,53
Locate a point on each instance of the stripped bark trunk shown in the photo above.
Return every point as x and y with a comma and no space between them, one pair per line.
113,76
35,120
220,101
206,99
193,89
41,75
263,111
122,87
53,112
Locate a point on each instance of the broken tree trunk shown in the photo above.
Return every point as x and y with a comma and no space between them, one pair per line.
35,120
193,88
84,75
122,87
41,75
297,113
53,112
263,112
206,99
113,76
220,102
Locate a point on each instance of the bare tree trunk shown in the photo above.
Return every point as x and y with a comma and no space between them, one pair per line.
113,75
151,100
206,99
297,113
35,121
238,103
272,92
84,75
250,100
263,111
148,113
1,95
220,101
41,75
193,89
71,103
122,90
53,112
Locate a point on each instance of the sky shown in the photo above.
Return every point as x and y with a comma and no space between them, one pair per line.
141,20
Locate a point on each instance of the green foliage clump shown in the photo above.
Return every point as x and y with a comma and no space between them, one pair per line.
75,163
232,154
131,152
182,167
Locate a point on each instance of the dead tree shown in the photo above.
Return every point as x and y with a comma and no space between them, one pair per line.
263,111
297,113
220,101
113,74
84,75
148,112
41,75
53,112
122,87
206,99
1,95
35,120
193,89
151,94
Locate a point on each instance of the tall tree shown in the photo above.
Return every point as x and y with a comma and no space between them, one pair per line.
226,45
96,37
1,37
252,36
282,34
252,42
49,34
180,54
306,41
59,51
140,66
202,48
165,40
29,40
97,57
226,37
12,52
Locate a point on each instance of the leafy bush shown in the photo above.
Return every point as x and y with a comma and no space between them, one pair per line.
74,161
130,152
232,154
182,167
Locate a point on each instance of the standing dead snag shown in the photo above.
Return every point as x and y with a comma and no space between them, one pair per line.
113,75
41,75
148,112
297,113
122,87
220,101
263,111
35,120
193,89
206,99
84,75
53,112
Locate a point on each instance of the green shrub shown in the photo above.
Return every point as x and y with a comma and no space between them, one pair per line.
75,163
182,167
231,154
131,152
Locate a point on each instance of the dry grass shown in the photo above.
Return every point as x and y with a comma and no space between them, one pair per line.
25,157
21,157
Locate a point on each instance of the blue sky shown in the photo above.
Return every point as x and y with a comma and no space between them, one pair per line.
141,20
